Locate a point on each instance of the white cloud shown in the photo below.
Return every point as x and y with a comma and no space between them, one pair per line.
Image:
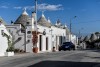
29,7
17,7
43,7
50,7
3,7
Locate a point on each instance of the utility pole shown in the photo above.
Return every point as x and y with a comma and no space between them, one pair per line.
25,35
35,32
71,27
79,37
36,13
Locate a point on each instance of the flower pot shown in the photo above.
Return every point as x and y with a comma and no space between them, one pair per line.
35,49
9,53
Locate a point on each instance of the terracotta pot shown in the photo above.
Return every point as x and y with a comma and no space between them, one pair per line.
35,49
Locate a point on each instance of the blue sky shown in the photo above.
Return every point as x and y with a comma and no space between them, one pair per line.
87,12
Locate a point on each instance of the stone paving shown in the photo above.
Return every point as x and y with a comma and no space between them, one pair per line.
91,56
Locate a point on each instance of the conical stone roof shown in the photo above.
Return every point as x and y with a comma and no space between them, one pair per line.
43,21
1,20
23,18
86,38
81,38
93,37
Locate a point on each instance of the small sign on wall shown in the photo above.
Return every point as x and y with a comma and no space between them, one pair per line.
0,22
29,36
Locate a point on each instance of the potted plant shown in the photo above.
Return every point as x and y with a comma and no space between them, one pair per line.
35,40
9,52
10,49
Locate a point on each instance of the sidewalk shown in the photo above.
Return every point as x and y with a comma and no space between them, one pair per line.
17,55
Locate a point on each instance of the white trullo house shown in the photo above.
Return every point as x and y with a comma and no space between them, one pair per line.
3,38
49,35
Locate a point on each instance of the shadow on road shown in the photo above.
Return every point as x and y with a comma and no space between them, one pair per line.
65,64
94,50
98,50
93,57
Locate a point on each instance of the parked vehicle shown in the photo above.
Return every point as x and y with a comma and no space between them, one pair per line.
67,46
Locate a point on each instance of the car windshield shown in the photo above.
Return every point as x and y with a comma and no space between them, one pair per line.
66,43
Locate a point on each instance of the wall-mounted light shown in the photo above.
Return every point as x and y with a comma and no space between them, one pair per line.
28,41
44,32
2,32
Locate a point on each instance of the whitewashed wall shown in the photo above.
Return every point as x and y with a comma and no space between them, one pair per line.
16,30
48,34
59,32
29,45
51,33
3,40
53,37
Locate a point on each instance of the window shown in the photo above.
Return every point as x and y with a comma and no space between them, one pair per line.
19,38
28,23
28,32
28,41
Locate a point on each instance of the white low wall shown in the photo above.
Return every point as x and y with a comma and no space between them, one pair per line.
2,54
9,53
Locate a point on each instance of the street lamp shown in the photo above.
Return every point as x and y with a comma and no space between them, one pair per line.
80,35
80,32
71,26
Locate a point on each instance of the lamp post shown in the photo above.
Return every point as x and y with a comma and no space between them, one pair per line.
71,26
51,37
80,35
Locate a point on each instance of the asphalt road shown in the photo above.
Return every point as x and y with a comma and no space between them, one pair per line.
78,58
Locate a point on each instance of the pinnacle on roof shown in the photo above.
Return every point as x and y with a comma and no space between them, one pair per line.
24,12
65,25
43,14
49,20
58,23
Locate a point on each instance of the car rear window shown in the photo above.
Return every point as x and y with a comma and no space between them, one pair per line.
67,43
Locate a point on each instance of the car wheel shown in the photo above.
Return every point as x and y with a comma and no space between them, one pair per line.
59,50
73,48
64,50
69,49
